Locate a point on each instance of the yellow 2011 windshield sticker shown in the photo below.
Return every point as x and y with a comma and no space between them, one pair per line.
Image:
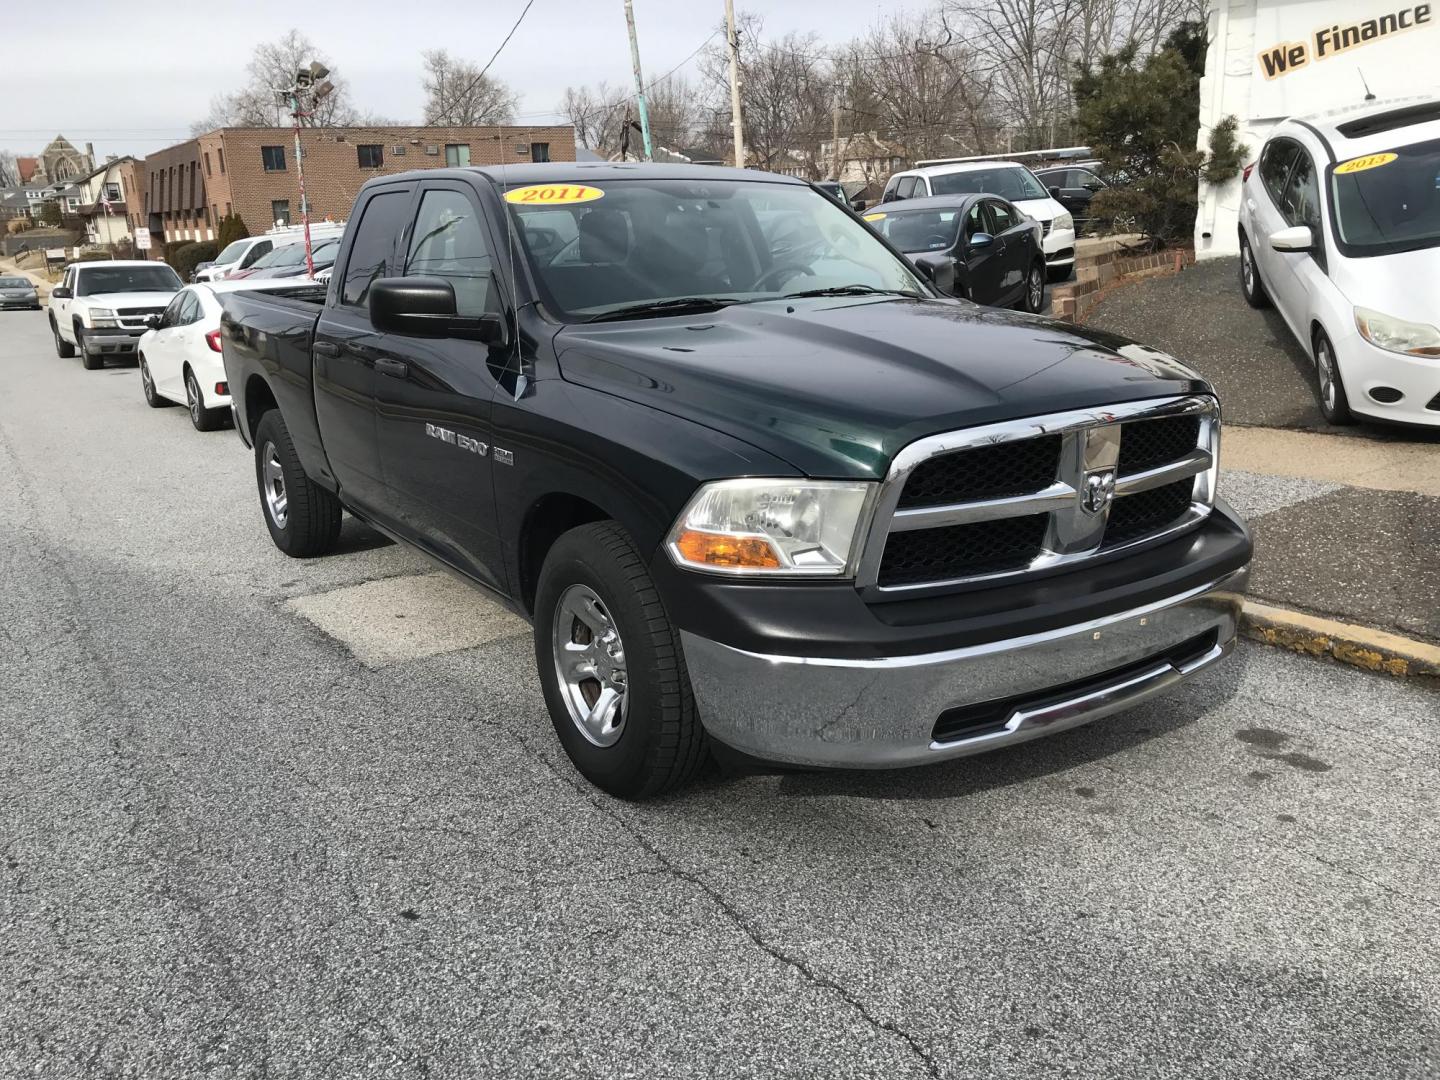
553,194
1369,161
874,217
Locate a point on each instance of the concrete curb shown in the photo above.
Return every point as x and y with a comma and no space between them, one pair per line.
1358,646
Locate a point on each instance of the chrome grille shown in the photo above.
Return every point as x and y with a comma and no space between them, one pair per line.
134,318
1029,495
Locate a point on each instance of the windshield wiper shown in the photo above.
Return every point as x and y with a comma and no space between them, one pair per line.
851,290
681,306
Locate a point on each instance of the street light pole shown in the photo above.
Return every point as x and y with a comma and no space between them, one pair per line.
300,172
733,39
305,85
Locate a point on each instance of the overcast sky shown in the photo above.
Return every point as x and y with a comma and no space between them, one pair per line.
132,84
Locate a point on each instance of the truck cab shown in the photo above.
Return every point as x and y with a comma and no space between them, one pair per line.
757,486
100,309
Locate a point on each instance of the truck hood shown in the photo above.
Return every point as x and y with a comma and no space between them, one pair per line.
130,299
837,386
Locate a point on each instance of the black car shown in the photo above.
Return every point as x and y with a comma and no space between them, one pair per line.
977,247
1073,188
756,484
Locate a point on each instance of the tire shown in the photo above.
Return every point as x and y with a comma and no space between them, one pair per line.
63,348
1033,298
204,419
88,362
147,385
659,742
1330,386
1250,283
303,518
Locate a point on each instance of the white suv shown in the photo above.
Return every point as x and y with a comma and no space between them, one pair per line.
1007,179
1340,229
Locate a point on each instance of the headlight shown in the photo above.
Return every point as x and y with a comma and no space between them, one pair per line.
1064,221
1397,335
773,527
100,316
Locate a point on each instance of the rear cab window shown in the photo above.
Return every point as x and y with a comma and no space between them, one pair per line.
376,231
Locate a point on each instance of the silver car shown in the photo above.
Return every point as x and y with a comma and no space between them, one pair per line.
18,292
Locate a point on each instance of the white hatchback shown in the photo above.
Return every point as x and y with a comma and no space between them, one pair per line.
1340,229
1007,179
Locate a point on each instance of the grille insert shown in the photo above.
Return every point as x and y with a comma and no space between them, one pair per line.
987,472
959,551
1146,444
1145,512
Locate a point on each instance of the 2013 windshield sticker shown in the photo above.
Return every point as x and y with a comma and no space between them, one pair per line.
553,194
1360,164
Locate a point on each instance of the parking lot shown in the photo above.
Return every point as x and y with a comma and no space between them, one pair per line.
278,818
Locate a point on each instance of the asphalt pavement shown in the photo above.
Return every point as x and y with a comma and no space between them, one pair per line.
246,831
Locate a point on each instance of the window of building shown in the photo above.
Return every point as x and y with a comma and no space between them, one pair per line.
273,158
227,209
280,211
112,192
370,155
192,183
208,173
450,243
374,242
457,156
220,153
539,151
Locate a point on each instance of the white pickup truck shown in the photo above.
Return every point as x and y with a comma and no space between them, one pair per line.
100,309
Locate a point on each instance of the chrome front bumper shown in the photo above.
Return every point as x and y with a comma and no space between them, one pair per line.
881,713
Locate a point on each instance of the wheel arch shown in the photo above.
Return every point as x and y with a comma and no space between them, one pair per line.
259,399
547,519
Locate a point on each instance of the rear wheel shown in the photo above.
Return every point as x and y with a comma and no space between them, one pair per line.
63,348
303,518
1334,402
1250,283
147,384
204,419
612,668
1034,297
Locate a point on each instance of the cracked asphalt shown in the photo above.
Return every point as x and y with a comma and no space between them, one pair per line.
229,848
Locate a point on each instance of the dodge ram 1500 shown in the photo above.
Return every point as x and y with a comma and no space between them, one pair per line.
753,481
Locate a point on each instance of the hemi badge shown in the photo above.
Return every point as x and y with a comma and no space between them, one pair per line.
504,457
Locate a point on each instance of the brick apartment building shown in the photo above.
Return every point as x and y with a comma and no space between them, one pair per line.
189,187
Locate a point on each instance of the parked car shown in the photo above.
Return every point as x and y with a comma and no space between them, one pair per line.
18,292
1074,188
836,191
238,255
180,359
289,261
1007,179
195,274
100,309
1340,229
796,505
977,247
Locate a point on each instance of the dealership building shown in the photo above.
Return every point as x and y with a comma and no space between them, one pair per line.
1272,59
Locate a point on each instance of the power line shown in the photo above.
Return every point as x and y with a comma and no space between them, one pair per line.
475,81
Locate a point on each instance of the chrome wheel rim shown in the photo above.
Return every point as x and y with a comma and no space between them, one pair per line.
277,505
1325,369
1037,289
1247,269
192,392
590,665
146,382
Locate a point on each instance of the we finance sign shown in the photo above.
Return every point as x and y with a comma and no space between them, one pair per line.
1323,53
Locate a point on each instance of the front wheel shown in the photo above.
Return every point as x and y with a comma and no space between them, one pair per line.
1034,298
204,419
87,361
611,666
63,348
1334,402
303,518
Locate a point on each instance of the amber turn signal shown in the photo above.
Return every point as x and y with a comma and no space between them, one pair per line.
720,549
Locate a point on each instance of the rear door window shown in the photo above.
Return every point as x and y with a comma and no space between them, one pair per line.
1275,166
374,245
1002,215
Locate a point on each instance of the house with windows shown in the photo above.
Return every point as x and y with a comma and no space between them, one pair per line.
252,172
103,206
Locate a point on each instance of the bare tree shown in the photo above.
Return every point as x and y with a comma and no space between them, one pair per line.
458,95
675,108
272,67
596,115
9,171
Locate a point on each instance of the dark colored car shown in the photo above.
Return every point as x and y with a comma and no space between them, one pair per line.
1073,187
289,261
18,292
977,247
756,484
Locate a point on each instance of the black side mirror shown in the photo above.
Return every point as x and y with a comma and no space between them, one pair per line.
425,307
858,206
60,292
1055,193
153,321
980,241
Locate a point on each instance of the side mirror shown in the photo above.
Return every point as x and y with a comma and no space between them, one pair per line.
980,241
60,292
1055,193
153,321
1295,238
425,307
858,206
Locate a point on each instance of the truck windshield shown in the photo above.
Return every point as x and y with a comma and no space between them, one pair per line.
1012,182
600,247
1388,202
96,280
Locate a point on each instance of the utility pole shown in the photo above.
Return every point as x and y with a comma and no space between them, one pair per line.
305,84
639,80
734,42
835,138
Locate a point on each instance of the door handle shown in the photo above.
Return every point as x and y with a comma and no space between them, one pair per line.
397,368
325,348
